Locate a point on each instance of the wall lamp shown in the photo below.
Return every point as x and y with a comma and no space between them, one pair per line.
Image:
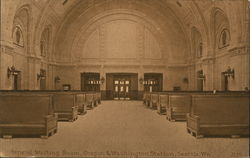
229,72
202,77
41,75
57,79
12,71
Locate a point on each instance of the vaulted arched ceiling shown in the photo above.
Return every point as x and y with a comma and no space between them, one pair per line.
169,18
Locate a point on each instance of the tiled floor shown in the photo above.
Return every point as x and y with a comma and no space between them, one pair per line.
124,128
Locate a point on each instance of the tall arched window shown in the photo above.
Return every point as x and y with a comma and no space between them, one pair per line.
18,36
220,26
224,38
197,42
42,48
44,42
200,49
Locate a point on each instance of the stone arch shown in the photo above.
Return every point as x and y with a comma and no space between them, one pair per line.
17,36
219,22
88,28
197,43
162,34
23,19
224,38
45,42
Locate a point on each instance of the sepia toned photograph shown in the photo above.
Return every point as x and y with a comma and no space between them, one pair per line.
124,78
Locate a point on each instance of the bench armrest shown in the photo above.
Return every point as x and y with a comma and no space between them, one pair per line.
75,110
47,117
193,122
51,121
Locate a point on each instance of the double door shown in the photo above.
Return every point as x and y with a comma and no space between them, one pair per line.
122,89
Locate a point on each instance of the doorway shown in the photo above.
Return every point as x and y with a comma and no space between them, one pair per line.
43,84
121,86
90,81
17,81
153,82
224,82
200,80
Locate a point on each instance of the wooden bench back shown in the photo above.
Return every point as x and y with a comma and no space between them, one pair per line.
154,97
24,108
95,96
98,95
163,99
180,102
64,102
222,108
80,98
89,97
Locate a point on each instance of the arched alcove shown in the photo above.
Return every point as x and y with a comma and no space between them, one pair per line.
45,42
220,28
197,43
17,36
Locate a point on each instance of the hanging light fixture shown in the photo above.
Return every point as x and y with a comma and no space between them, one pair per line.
12,71
229,72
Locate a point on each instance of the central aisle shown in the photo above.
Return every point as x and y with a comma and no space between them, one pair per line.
127,127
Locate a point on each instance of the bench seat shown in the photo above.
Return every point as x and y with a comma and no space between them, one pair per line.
219,115
27,115
154,99
80,99
162,104
178,106
65,106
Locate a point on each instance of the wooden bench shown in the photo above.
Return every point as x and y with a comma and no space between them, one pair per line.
99,97
178,106
27,115
219,115
95,98
80,100
179,102
89,100
64,103
147,99
162,104
154,99
144,98
65,106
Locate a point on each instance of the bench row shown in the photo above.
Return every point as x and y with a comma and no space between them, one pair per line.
206,113
29,113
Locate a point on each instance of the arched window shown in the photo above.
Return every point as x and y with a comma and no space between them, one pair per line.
197,42
44,42
18,36
224,38
200,49
42,48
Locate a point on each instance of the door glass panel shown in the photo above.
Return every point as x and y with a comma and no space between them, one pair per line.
150,88
122,89
127,88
